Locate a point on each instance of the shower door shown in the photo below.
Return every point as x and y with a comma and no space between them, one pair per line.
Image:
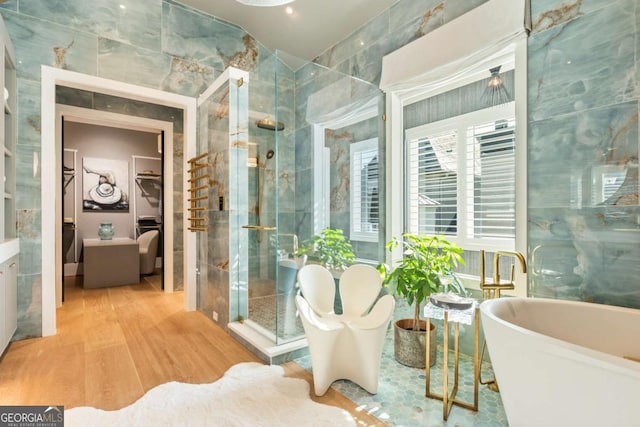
221,242
271,264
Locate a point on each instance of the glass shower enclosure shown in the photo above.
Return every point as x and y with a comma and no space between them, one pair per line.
277,155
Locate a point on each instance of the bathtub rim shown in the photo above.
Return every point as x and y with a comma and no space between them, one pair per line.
561,348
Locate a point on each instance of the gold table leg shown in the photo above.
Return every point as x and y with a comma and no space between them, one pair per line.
449,398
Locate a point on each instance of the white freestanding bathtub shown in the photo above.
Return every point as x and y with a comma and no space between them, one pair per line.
561,363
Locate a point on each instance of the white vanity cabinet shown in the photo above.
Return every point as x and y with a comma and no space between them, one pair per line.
8,291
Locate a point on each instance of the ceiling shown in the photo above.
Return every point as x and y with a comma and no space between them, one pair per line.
313,27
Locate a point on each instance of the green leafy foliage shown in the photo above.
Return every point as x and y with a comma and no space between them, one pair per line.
426,262
331,248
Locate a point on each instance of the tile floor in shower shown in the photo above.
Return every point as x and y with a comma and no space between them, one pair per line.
400,400
262,310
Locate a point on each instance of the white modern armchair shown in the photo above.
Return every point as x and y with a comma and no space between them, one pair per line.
148,248
347,345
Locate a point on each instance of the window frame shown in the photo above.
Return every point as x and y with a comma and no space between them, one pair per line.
370,144
405,94
461,125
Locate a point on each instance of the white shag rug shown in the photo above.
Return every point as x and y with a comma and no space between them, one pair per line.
249,394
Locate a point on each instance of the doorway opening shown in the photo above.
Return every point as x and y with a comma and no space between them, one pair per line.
129,148
176,263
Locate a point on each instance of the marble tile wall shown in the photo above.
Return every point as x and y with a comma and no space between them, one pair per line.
583,92
583,117
216,266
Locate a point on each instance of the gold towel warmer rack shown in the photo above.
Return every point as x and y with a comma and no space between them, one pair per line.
197,165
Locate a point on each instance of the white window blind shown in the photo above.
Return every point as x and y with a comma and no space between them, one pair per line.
461,178
491,186
364,190
432,183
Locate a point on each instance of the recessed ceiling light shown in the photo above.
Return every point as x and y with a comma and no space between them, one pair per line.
289,10
123,6
264,2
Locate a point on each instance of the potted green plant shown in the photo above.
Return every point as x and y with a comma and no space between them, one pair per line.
426,262
331,249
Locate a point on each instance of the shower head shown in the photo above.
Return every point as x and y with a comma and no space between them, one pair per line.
270,154
269,124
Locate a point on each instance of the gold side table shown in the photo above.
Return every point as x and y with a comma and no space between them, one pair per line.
449,398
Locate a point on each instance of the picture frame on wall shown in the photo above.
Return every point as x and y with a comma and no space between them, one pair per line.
105,185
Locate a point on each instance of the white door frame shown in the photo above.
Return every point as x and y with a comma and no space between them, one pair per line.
51,172
122,121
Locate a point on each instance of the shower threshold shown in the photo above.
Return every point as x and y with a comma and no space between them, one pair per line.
262,343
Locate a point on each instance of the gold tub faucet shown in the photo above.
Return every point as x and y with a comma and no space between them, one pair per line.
492,290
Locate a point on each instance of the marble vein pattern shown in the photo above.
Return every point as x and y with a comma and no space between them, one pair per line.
59,53
433,18
247,58
560,15
37,42
583,121
123,62
120,21
577,66
197,37
367,35
340,172
29,285
604,136
549,13
29,125
29,303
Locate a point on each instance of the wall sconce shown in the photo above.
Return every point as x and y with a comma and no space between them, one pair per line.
495,93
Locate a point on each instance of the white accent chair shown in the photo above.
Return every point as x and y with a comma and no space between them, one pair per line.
148,248
348,345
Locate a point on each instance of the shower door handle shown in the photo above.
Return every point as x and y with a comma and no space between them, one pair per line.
259,227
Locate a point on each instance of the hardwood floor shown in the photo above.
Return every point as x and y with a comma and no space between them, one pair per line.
114,344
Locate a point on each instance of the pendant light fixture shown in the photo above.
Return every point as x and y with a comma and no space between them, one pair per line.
495,93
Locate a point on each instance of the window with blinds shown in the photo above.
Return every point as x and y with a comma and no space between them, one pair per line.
491,186
364,191
461,177
432,183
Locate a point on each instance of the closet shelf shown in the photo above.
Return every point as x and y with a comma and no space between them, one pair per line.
148,175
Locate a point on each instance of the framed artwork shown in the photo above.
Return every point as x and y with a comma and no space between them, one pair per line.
105,185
